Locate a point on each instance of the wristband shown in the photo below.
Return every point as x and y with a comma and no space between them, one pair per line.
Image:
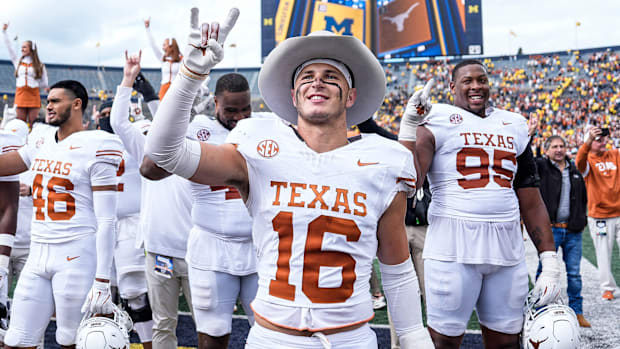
7,239
191,74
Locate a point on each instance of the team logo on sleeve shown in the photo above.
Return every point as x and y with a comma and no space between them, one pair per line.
489,111
456,119
268,148
203,134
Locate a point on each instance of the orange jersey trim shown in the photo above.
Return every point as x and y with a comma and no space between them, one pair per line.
110,151
112,154
403,179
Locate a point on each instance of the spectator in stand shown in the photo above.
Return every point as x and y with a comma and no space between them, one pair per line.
30,76
564,192
599,167
170,58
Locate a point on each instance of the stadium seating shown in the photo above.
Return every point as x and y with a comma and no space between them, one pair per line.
565,89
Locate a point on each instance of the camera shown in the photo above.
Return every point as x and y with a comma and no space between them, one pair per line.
605,132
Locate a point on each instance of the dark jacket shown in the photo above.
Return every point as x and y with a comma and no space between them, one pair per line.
551,187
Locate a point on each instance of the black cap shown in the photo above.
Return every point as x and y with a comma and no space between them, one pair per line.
106,104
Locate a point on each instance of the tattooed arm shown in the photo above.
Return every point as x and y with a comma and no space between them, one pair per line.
536,219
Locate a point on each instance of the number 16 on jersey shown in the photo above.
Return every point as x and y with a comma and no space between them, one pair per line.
314,259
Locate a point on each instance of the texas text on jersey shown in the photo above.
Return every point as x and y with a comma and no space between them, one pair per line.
61,189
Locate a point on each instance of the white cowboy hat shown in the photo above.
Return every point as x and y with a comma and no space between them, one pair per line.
275,79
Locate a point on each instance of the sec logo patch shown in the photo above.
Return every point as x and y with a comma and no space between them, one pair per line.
203,134
456,119
268,148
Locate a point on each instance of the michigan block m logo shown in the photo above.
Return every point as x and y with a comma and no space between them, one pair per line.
342,28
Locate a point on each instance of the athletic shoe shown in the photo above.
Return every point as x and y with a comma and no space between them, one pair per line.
582,321
378,302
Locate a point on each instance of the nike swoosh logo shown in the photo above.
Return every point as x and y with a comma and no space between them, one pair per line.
69,259
360,163
506,123
73,148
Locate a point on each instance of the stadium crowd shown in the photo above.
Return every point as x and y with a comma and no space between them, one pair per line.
566,92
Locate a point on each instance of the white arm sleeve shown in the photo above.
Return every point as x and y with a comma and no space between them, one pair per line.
104,204
43,83
12,54
153,106
132,138
166,144
156,50
400,285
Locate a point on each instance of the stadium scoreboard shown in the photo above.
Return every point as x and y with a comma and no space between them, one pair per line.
390,28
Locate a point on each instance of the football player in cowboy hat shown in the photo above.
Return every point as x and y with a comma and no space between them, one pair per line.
322,205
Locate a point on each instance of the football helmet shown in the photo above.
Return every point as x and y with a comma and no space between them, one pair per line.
101,332
19,128
553,326
8,114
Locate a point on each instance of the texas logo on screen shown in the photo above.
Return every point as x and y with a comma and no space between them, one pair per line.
339,19
403,23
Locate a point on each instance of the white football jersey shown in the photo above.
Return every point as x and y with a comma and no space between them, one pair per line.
475,162
221,239
217,209
128,187
62,182
9,142
315,220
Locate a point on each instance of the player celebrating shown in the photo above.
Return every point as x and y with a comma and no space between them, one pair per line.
163,228
220,255
322,206
74,199
129,260
482,173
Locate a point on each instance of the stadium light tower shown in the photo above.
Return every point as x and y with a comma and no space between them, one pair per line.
577,25
234,46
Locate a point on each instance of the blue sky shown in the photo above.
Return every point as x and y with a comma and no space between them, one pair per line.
67,31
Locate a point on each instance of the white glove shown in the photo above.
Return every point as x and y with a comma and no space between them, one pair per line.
418,106
205,46
547,287
99,299
418,339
